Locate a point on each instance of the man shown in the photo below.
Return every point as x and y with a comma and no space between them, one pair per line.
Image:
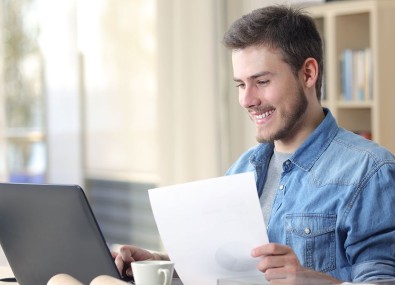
326,194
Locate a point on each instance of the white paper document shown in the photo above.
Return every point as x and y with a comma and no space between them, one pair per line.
209,227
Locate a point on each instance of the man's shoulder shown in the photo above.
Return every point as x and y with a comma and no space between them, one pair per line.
358,146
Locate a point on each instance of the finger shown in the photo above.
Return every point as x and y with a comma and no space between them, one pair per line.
270,249
280,274
270,261
132,253
126,253
129,271
123,260
289,263
120,264
114,254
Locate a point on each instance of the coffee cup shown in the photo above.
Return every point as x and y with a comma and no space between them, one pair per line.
152,272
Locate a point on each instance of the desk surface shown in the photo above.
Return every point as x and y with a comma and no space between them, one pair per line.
260,280
6,271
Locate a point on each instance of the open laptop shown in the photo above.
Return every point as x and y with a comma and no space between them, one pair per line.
50,229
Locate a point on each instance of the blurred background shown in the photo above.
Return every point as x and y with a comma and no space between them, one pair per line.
119,96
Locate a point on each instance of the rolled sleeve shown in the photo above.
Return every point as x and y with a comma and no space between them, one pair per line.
371,239
373,270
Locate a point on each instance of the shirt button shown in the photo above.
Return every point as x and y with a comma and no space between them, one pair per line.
282,186
287,162
307,231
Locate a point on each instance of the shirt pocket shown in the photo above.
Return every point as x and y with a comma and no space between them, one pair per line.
312,238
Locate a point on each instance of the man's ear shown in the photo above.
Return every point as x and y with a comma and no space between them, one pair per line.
309,72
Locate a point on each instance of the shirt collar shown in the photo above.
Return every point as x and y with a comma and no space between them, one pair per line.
311,149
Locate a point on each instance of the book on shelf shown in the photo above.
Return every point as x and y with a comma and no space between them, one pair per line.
365,134
356,75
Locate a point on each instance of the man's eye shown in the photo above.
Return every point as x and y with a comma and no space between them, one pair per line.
240,85
263,82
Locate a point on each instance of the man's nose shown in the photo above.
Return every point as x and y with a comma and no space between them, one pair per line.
249,97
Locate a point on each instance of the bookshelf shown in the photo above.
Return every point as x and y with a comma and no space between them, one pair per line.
352,26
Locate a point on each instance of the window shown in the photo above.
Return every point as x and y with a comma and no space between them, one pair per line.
22,92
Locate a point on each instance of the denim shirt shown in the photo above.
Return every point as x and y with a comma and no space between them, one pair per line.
335,202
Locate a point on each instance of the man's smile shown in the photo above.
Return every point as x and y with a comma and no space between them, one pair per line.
261,117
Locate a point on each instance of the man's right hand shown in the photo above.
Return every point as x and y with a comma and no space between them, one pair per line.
129,253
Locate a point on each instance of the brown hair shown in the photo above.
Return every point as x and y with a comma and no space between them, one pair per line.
285,28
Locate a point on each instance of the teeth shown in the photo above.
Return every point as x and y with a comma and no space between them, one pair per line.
264,115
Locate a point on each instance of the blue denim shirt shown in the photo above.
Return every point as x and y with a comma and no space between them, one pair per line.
335,202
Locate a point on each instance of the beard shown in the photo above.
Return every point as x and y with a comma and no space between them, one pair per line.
290,121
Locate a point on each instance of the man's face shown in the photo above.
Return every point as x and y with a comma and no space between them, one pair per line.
270,92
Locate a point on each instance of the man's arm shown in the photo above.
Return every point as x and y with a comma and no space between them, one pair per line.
370,227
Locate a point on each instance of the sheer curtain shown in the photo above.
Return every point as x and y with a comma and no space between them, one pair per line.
182,123
201,129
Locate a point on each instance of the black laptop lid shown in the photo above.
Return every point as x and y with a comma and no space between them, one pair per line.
50,229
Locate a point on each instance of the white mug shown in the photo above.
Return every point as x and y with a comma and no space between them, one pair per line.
152,272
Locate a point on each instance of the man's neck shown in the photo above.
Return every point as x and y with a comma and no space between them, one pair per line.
292,142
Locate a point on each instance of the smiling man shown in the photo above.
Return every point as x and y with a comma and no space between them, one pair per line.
324,191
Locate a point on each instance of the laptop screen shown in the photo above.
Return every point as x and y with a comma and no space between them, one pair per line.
50,229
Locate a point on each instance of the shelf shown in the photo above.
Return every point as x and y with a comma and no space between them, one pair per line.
354,104
357,25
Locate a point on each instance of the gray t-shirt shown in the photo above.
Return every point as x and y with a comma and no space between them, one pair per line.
271,184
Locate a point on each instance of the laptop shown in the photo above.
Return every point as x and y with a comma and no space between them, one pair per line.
50,229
